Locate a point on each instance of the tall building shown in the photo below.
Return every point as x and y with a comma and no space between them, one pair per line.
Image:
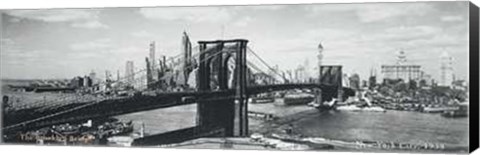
129,74
149,80
319,58
108,75
86,81
186,48
402,69
446,70
307,66
274,72
151,59
354,81
372,80
93,76
118,76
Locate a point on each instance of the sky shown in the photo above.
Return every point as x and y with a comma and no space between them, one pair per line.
63,43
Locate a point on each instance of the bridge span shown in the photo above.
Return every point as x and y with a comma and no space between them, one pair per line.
109,107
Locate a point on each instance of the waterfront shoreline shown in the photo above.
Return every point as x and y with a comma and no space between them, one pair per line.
279,125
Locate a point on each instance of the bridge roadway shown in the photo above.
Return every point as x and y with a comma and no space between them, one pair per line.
18,121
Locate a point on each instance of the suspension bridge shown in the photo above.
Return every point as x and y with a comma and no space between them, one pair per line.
223,86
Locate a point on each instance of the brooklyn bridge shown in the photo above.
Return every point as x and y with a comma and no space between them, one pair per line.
224,85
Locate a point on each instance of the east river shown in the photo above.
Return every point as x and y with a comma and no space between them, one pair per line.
391,126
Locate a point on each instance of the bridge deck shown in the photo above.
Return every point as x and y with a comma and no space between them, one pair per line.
26,119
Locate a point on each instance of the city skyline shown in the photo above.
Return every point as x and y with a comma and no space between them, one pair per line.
63,43
361,77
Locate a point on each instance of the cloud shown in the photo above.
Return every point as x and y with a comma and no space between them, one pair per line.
52,15
308,40
8,46
192,14
405,33
441,40
92,45
80,18
6,42
142,34
264,7
90,25
377,12
242,22
14,20
373,12
452,18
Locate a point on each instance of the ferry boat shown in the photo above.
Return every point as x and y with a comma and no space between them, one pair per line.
439,109
297,98
263,98
261,116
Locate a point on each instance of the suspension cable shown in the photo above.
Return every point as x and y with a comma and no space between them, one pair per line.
265,63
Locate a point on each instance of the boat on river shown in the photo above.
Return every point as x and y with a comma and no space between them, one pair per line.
263,98
439,109
359,108
462,111
297,98
86,133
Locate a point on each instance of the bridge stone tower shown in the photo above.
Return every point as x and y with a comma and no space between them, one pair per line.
227,113
331,78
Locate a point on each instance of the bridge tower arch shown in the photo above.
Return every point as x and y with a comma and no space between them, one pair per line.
331,77
229,114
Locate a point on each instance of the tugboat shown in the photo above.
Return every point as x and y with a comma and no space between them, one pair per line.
462,111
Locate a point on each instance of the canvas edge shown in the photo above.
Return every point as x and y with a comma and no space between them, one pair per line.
474,78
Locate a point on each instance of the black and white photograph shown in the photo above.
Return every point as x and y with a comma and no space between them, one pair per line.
354,77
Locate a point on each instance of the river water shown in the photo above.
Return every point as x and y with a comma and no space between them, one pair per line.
391,126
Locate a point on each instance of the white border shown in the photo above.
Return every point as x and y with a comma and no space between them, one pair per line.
29,4
75,150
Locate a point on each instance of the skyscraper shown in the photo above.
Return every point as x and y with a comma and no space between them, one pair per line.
93,76
300,74
129,73
319,57
403,69
446,69
186,48
151,60
354,81
308,69
149,80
